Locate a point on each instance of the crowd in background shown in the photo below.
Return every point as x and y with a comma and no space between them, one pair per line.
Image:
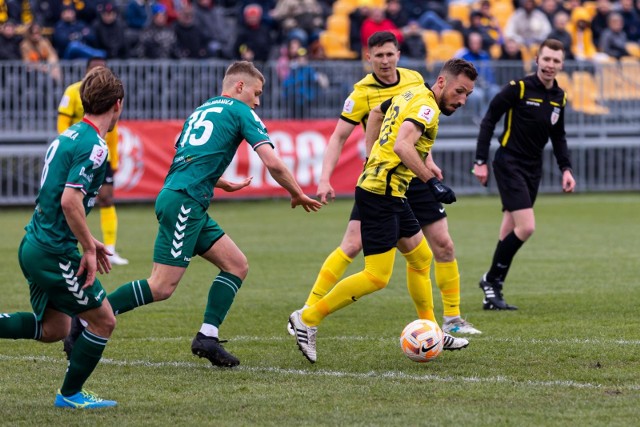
41,32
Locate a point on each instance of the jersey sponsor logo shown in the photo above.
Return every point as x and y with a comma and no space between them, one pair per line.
64,102
555,115
349,104
532,102
87,176
71,134
426,113
98,155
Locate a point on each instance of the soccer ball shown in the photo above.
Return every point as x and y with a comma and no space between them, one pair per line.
422,340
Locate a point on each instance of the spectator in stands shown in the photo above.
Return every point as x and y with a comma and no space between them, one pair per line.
476,26
158,40
560,33
427,10
301,86
490,21
631,19
432,20
582,46
70,37
528,25
38,51
190,41
377,21
599,22
413,46
512,62
137,14
172,7
211,21
614,40
109,32
550,8
356,18
255,37
9,42
396,14
485,85
300,18
46,11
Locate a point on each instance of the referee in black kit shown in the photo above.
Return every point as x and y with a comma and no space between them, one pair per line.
534,108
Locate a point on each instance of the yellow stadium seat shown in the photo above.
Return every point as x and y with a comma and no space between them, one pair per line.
336,46
343,7
452,38
460,11
502,11
586,94
431,39
338,24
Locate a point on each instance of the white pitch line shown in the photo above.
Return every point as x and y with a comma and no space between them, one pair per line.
535,341
378,375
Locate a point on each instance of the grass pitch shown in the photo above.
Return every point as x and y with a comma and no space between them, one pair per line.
569,356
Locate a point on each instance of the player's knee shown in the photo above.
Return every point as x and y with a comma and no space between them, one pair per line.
351,246
162,290
241,269
444,250
523,233
420,258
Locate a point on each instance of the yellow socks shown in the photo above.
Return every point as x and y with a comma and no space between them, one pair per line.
419,280
375,276
109,225
448,280
332,270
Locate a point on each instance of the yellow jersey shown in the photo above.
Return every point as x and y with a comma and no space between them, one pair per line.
70,111
371,92
384,173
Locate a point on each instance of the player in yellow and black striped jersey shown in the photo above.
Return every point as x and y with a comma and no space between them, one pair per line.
386,81
386,219
70,111
384,172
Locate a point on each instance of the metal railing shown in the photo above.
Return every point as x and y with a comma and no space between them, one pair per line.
158,90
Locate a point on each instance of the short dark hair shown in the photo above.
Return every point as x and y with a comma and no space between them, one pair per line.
552,44
100,90
381,37
456,66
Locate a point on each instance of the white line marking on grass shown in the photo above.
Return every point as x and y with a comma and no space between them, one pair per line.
378,375
536,341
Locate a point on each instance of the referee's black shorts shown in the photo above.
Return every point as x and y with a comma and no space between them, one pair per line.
424,205
383,221
518,180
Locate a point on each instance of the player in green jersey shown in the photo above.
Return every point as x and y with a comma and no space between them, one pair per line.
62,282
209,140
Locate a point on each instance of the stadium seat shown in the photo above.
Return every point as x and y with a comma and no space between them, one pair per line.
460,12
502,12
343,7
452,38
586,94
336,46
338,24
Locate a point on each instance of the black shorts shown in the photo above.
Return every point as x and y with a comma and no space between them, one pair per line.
518,180
383,221
424,205
108,176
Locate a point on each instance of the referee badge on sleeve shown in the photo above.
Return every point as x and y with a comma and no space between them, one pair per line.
555,115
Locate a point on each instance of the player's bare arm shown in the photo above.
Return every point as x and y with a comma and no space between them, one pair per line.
230,186
433,167
374,124
285,178
408,135
73,210
325,191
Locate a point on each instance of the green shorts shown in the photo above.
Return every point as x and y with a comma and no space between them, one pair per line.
186,230
53,282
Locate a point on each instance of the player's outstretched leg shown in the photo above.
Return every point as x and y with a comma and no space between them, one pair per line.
211,348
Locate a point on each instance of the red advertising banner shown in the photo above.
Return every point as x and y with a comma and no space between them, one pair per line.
146,151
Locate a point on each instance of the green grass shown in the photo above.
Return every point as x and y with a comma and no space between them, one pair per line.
569,356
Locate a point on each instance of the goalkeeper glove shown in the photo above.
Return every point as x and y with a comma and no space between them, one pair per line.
442,193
